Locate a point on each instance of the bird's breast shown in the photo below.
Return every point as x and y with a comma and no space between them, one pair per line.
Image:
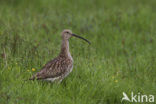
70,57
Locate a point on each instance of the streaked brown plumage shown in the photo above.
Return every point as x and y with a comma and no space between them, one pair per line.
61,66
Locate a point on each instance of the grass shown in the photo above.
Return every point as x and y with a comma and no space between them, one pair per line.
121,58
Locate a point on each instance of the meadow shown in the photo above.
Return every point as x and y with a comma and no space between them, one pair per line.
121,57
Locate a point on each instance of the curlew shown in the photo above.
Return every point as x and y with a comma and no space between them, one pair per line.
60,67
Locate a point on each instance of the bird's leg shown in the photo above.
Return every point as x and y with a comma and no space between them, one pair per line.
59,81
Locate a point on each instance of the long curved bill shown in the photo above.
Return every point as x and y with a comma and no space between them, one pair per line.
81,38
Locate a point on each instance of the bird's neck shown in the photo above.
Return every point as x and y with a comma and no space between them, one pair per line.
65,48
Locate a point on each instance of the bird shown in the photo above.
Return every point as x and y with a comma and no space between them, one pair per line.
59,68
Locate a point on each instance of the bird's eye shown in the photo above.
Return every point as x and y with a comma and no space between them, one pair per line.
67,32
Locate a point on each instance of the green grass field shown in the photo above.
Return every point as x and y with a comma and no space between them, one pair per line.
121,58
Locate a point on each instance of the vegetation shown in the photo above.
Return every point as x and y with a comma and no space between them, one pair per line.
121,58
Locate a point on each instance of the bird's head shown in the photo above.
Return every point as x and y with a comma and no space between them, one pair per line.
67,34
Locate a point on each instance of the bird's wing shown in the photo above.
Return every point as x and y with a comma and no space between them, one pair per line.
54,68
